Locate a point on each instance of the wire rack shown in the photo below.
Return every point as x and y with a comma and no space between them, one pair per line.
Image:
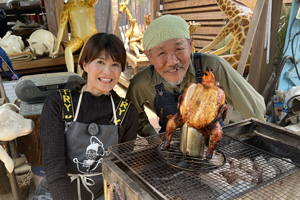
249,173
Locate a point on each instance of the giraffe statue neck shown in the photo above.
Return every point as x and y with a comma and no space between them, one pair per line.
129,16
232,8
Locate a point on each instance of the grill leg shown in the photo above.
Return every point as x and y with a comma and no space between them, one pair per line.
106,188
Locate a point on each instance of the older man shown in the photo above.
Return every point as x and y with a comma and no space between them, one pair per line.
167,45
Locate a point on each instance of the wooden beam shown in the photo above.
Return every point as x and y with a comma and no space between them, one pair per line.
257,55
216,15
247,46
187,4
266,70
115,17
259,70
54,9
197,9
250,35
155,7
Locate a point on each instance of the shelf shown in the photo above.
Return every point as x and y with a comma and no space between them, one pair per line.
23,10
40,65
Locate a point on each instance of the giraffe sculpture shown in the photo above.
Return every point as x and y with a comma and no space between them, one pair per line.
147,21
134,35
192,28
239,17
81,16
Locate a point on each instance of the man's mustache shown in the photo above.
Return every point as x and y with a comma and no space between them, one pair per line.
177,66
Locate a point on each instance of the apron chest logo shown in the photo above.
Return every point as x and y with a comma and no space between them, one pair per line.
94,154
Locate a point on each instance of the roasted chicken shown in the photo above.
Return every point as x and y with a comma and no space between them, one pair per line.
200,106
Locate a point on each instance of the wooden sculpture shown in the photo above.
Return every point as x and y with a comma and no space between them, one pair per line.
81,16
147,21
134,35
240,18
192,28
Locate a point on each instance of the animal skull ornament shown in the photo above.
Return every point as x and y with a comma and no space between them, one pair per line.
200,107
12,126
42,42
12,44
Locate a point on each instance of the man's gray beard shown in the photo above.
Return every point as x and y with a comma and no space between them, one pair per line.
177,82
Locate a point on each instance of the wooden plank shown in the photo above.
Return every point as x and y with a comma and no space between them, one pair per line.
154,8
203,16
115,17
259,82
103,16
204,37
187,4
41,62
2,90
168,1
54,9
287,1
201,43
250,36
134,61
257,55
247,46
193,10
212,23
208,30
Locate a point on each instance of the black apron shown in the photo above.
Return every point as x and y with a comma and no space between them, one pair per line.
165,102
86,146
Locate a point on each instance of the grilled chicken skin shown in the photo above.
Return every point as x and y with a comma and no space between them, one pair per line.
200,106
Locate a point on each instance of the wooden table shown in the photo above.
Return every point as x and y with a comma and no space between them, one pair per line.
135,62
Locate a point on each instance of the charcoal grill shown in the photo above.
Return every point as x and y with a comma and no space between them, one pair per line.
262,162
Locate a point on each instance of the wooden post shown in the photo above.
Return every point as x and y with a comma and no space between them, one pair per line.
250,35
154,9
4,186
258,52
115,17
248,44
258,60
53,10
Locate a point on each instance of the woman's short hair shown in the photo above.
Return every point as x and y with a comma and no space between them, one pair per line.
113,46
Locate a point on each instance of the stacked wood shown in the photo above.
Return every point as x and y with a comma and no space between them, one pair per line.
207,13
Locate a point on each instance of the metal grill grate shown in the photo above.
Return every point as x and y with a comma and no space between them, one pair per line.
175,157
249,173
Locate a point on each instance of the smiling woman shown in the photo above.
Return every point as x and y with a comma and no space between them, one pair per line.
74,141
103,63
